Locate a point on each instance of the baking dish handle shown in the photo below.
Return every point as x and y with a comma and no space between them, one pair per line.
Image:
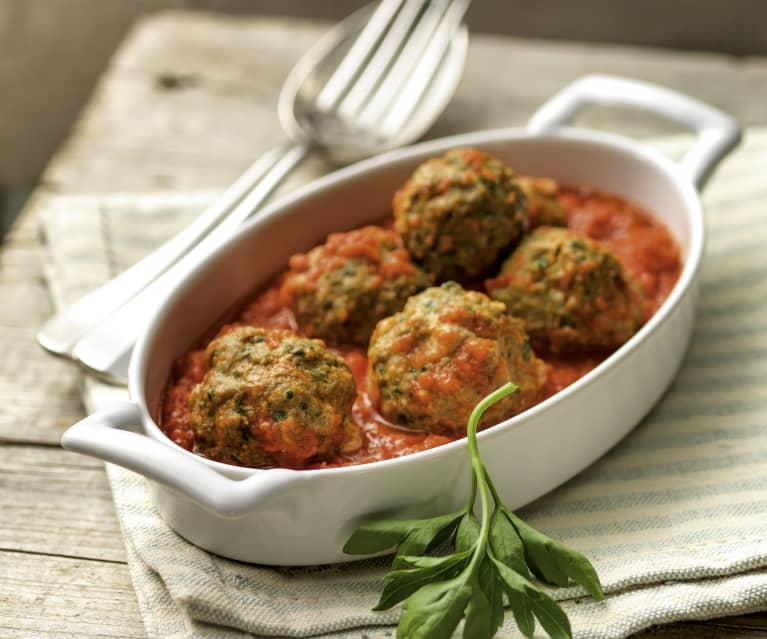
107,435
717,133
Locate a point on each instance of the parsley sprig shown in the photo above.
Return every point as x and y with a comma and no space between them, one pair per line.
496,559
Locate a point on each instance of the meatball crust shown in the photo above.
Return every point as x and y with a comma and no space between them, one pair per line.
271,398
340,289
543,206
571,292
459,213
429,365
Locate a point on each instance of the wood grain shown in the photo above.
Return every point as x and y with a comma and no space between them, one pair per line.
187,102
39,395
57,502
190,98
745,627
46,596
47,73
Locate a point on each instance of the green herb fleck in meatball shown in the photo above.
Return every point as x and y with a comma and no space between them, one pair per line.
339,290
571,292
271,398
459,213
430,364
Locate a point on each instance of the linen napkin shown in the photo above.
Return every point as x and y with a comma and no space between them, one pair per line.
674,517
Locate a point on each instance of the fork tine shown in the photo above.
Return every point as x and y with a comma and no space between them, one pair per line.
418,81
382,59
400,71
360,51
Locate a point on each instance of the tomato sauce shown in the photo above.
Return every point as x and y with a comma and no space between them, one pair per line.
643,245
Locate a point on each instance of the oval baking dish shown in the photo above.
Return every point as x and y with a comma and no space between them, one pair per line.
288,517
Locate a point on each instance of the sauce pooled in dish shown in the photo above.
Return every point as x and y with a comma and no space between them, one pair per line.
551,280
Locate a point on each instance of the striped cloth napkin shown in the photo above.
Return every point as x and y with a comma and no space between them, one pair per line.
674,517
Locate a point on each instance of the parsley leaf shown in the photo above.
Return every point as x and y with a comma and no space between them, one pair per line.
495,559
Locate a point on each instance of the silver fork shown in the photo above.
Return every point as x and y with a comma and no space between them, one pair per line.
390,86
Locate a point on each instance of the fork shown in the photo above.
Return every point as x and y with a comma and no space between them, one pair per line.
389,87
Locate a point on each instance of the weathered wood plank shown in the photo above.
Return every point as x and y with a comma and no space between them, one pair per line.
48,73
39,395
185,42
43,596
56,502
191,98
744,627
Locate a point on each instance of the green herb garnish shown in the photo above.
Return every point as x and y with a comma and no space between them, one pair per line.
495,561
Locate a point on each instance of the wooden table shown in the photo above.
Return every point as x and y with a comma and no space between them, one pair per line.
186,103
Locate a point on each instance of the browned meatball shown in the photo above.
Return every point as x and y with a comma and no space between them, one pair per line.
459,213
543,206
432,363
339,290
570,291
271,398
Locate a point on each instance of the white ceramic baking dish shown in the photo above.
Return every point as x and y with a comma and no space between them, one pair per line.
287,517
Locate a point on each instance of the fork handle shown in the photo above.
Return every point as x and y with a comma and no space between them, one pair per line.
60,334
105,349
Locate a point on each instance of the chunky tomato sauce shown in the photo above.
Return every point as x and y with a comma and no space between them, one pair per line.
643,245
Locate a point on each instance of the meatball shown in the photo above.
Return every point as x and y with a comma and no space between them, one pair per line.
339,290
543,207
458,214
271,398
430,364
571,292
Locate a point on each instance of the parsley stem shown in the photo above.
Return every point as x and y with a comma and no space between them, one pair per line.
484,495
473,496
493,491
476,416
480,477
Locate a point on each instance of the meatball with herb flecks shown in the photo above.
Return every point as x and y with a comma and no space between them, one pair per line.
429,365
571,292
459,213
543,206
271,398
339,290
